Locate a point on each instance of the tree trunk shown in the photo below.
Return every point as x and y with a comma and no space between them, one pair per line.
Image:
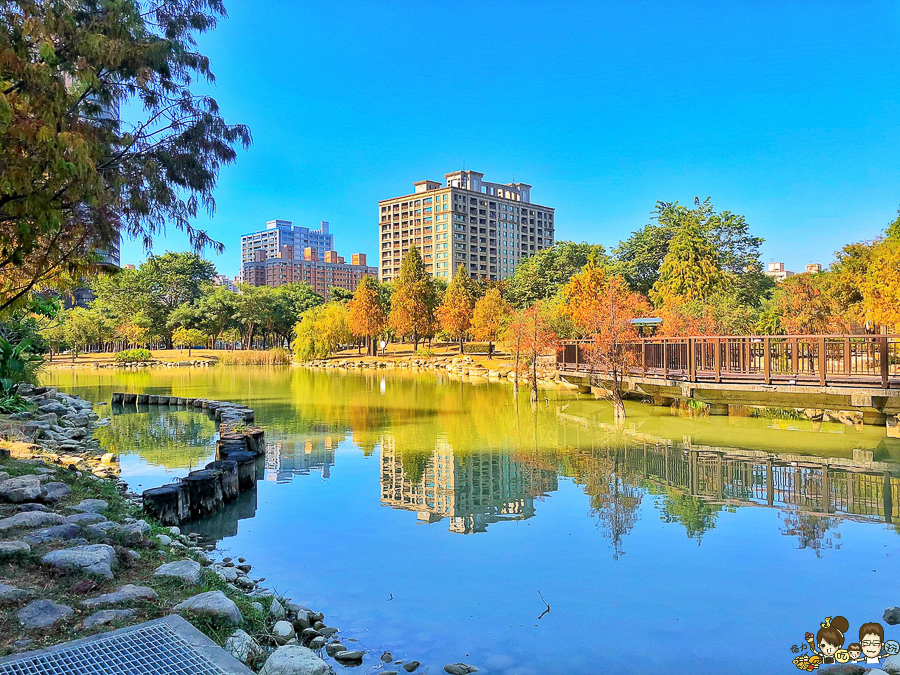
534,392
460,345
490,350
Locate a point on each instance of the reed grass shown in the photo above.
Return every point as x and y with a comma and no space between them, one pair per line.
257,357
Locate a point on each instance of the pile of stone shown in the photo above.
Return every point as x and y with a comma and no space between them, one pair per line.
63,426
197,363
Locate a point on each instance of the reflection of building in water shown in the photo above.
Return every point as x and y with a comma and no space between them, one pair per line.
472,490
288,458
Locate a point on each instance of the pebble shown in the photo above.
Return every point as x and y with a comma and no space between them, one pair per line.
411,666
334,647
349,656
387,657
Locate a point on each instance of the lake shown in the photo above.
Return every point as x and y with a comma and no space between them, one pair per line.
438,519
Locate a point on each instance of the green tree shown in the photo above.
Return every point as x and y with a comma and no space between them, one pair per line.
186,338
76,173
168,281
81,328
289,302
457,307
690,270
253,308
217,312
322,331
414,300
540,276
640,257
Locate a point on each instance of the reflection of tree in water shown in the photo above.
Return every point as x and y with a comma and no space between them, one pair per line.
810,530
172,440
697,515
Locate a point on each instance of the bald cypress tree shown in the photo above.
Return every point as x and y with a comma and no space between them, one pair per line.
690,270
414,300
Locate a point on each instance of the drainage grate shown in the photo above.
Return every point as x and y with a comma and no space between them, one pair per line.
153,649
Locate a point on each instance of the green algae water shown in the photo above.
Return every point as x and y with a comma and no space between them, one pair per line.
441,519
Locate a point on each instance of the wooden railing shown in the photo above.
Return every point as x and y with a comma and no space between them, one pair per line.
824,360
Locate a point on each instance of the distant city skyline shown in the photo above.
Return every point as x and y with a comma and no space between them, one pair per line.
791,116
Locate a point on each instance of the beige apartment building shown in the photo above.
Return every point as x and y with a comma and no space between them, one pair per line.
488,227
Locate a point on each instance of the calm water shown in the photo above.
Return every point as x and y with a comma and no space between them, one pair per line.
433,518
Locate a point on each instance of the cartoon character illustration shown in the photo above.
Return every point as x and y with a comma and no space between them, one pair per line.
871,638
854,653
807,662
830,638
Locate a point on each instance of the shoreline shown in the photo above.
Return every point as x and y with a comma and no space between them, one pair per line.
68,518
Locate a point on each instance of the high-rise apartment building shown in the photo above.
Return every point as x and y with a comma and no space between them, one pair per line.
280,233
488,227
270,257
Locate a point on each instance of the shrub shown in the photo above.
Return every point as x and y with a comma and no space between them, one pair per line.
476,348
133,355
277,356
425,351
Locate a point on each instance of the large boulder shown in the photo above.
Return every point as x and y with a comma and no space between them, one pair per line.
891,616
31,519
128,594
21,489
91,506
212,605
891,665
54,533
283,632
295,660
52,406
186,571
13,549
53,492
94,559
42,614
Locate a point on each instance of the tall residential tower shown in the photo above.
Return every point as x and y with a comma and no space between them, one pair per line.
488,227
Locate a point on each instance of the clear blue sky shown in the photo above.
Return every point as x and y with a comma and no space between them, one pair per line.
786,112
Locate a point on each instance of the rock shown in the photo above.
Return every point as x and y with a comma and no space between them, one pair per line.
53,492
127,594
349,657
227,574
163,539
257,607
891,616
91,506
245,583
460,669
318,625
31,506
52,406
891,665
410,666
243,647
22,645
301,617
282,632
134,532
62,532
308,634
11,593
43,614
13,549
94,559
387,657
21,489
212,605
874,671
276,610
174,531
334,647
295,660
317,643
107,616
85,518
328,631
31,519
187,571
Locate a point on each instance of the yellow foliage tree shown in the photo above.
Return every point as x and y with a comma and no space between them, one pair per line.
881,285
455,312
414,300
489,318
367,317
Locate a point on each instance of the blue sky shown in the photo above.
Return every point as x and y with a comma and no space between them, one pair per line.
786,112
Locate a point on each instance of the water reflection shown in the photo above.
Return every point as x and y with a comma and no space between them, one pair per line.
471,490
298,457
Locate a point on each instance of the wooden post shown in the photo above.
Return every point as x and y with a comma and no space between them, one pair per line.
795,357
228,475
822,362
847,355
246,467
717,358
204,489
644,356
888,497
692,361
767,359
168,504
884,361
770,482
665,345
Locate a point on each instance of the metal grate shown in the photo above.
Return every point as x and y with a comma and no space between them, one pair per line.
149,650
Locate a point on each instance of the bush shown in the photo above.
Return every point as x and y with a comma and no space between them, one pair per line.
425,351
476,348
133,355
257,357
